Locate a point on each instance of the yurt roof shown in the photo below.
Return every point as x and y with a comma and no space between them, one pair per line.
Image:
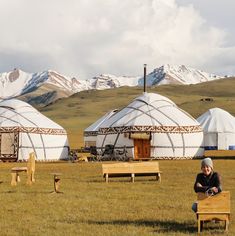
16,113
95,126
153,112
217,120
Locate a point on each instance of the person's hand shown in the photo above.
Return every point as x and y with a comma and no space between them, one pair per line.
198,185
215,190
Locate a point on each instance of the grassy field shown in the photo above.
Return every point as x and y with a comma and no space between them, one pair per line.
82,109
89,206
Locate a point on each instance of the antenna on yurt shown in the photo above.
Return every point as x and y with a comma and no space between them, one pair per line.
145,65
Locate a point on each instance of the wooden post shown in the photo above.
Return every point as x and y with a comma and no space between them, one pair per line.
31,168
145,77
56,178
56,183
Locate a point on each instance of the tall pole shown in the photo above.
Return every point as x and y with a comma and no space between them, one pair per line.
145,65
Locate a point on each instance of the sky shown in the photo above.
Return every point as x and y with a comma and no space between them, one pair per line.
86,38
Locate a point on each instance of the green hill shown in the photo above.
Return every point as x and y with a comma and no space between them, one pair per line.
43,95
78,111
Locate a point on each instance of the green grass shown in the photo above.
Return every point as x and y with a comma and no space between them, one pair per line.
89,206
78,111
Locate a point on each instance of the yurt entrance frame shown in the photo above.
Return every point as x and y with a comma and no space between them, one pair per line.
9,146
141,149
141,145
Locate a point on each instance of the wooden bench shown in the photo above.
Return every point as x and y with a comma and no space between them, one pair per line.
219,153
131,170
215,207
30,169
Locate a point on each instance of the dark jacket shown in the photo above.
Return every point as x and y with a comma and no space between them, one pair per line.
207,182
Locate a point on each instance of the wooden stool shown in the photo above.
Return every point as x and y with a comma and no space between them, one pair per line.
56,177
15,174
30,169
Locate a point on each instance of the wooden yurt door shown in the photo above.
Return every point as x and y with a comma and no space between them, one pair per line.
9,143
141,149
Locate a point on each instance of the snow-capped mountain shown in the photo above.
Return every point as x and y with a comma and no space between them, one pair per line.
18,82
166,74
106,81
172,74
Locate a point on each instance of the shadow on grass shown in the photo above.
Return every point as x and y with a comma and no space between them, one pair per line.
117,180
168,226
163,226
27,192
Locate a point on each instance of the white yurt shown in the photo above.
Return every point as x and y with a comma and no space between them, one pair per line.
90,133
23,129
219,129
152,127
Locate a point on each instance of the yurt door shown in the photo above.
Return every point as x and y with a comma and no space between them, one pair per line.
9,146
142,149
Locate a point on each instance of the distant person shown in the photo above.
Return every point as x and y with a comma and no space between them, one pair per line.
208,181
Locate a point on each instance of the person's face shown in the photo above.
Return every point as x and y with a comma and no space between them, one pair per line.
206,170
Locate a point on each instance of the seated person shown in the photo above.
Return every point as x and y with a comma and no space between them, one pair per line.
208,181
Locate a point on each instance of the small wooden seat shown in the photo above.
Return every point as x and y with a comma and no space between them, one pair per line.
131,169
30,169
215,207
56,178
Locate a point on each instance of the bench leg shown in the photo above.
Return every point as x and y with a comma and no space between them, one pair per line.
198,226
17,177
226,225
106,178
13,179
132,178
158,177
30,177
33,178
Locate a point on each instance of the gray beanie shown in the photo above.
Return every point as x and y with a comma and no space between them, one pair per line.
207,162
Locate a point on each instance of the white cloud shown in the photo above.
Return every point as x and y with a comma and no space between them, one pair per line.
85,38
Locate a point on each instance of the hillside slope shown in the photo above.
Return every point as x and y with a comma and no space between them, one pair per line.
78,111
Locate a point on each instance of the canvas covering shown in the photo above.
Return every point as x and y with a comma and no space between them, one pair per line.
174,133
219,129
90,133
31,131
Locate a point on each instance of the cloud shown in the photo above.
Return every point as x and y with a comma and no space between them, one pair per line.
85,38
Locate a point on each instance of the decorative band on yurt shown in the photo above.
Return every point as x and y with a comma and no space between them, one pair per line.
90,133
154,129
143,135
35,130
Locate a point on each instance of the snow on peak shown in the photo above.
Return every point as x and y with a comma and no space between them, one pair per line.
17,82
178,74
106,81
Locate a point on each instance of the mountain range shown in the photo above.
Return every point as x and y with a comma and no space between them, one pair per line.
47,86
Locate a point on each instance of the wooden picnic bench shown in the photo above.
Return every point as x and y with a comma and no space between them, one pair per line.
131,169
215,207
